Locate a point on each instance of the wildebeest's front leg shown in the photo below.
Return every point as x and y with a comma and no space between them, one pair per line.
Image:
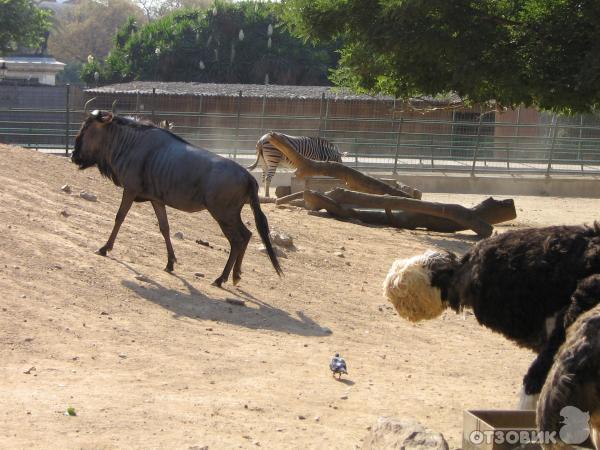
126,203
163,224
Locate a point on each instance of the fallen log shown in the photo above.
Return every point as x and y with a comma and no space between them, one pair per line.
353,178
415,213
491,210
288,198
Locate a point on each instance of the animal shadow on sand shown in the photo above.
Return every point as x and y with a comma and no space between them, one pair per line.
197,305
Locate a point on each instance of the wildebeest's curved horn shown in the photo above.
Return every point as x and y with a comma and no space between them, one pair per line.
85,107
114,106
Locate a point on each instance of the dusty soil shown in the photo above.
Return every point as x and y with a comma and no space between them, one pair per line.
163,361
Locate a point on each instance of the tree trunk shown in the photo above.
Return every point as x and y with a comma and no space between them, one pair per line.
415,214
353,178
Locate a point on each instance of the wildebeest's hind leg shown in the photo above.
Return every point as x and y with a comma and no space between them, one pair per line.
163,225
126,203
237,267
230,225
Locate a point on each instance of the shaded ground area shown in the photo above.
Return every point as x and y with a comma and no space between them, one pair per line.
149,359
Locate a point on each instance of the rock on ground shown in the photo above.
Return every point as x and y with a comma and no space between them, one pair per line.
282,239
406,434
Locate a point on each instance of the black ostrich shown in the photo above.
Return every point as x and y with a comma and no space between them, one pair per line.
520,283
569,403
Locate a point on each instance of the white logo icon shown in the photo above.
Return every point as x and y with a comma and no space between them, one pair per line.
575,429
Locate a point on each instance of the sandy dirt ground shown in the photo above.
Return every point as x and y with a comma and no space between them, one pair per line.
152,360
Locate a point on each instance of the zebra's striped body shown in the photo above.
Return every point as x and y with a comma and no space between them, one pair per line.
310,147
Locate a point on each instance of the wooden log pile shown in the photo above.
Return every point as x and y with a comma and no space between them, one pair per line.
374,202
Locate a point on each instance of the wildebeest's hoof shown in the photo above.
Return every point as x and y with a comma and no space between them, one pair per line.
218,282
169,267
236,280
101,251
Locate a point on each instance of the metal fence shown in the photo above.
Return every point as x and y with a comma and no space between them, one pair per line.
452,141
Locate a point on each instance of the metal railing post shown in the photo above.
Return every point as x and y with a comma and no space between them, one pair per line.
262,115
153,104
516,143
237,125
551,155
326,117
321,114
398,145
68,119
476,149
579,143
199,121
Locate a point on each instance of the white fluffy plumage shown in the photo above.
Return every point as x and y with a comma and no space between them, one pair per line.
408,287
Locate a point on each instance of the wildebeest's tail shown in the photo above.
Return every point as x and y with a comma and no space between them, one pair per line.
262,225
258,153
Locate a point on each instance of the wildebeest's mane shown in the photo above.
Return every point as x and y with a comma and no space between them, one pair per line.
143,124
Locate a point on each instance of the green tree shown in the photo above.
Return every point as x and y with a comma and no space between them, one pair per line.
22,25
228,43
542,52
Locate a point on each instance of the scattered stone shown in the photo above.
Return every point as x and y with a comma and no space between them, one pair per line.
347,263
390,432
342,248
23,296
88,196
66,188
104,313
317,418
65,212
279,430
122,356
339,255
197,447
282,239
201,242
143,278
235,301
199,274
31,369
278,252
301,417
344,397
70,412
178,235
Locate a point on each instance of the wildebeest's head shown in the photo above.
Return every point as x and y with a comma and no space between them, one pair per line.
417,286
91,139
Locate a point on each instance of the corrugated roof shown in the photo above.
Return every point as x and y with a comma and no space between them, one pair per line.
248,90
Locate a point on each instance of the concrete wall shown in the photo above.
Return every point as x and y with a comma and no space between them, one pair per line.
484,185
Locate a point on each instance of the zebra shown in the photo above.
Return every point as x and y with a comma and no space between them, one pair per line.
310,147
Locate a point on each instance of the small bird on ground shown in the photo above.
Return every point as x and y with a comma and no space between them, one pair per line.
338,366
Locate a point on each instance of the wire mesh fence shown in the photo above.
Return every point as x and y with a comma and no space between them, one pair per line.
375,136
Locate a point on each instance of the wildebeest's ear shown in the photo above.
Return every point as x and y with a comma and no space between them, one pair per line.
96,114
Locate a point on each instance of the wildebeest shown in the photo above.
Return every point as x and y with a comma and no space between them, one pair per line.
523,284
152,164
